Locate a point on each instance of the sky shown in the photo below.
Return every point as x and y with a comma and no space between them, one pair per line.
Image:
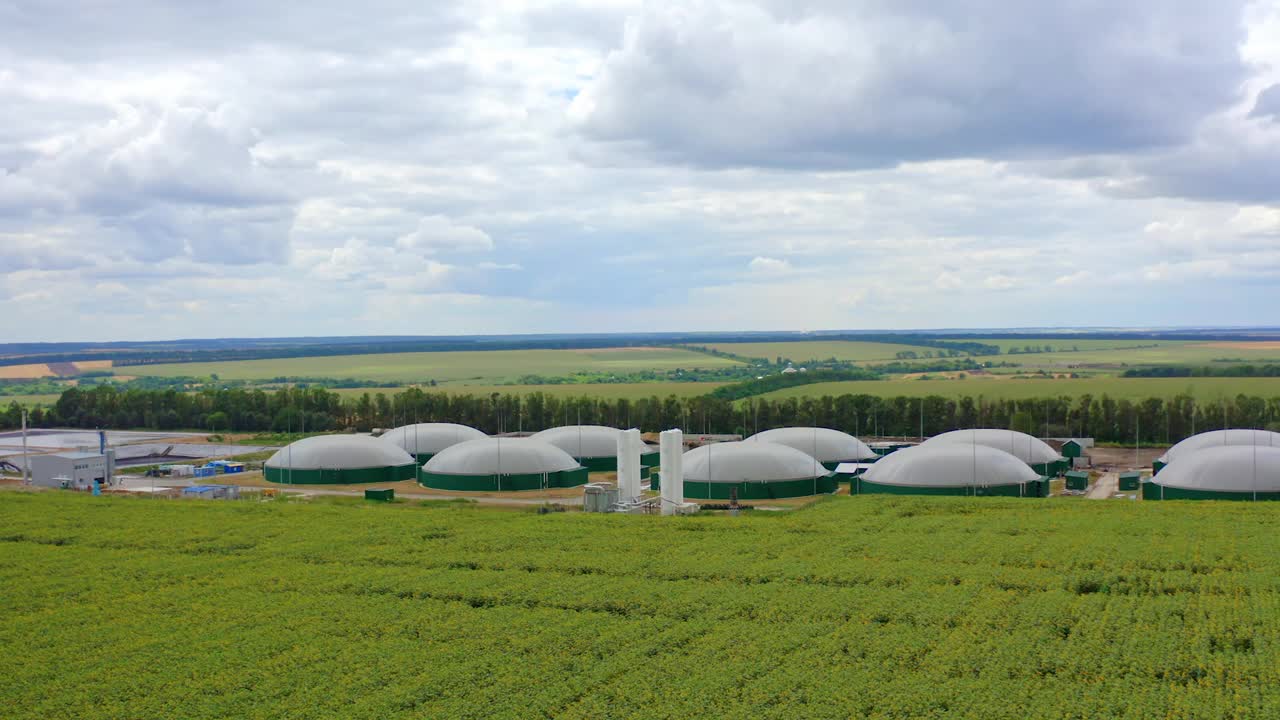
172,169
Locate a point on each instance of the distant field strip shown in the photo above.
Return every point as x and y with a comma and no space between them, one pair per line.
1203,389
1112,353
818,350
865,607
630,391
480,368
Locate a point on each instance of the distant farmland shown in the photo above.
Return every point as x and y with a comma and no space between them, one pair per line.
476,368
818,350
629,391
1203,389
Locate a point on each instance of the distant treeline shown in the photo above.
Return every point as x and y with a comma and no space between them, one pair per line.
316,409
1204,371
779,381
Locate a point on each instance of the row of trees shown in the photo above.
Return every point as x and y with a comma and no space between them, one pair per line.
1153,420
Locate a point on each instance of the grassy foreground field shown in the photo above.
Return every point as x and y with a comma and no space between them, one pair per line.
479,368
1202,389
886,607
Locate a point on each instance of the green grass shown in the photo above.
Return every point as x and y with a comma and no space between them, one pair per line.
1111,354
478,368
887,607
29,400
1203,389
817,350
630,391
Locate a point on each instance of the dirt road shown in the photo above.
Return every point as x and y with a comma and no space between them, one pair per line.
1107,485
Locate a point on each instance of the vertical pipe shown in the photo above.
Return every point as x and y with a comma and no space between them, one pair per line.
671,445
26,460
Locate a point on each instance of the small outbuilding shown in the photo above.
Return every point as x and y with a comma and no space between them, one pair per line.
1077,480
1223,472
339,460
424,440
502,465
952,469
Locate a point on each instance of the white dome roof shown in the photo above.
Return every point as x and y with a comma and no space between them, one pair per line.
508,456
735,462
825,444
1219,438
949,465
1028,449
425,438
339,452
1225,468
585,441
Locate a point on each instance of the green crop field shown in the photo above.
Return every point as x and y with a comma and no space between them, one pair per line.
29,400
1113,354
1203,389
875,607
629,391
817,350
477,368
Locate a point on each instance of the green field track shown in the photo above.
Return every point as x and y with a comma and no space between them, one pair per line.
29,400
629,391
480,367
886,607
1202,389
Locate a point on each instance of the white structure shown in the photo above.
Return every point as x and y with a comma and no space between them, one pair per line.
823,444
501,456
339,459
628,445
950,465
1028,449
1218,438
72,470
737,462
587,443
1241,470
671,470
426,439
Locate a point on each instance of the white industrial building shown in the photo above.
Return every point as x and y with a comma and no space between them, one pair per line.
72,470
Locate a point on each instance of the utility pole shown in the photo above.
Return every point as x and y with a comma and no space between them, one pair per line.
26,461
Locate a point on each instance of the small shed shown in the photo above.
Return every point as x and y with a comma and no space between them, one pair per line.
1130,481
1073,448
1077,480
380,494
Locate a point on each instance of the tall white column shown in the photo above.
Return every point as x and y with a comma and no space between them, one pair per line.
671,446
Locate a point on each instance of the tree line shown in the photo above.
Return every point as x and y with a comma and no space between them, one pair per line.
1107,419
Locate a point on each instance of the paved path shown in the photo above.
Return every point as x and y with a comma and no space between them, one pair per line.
1107,485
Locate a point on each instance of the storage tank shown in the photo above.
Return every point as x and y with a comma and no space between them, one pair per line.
502,465
1216,438
595,447
1221,472
952,469
1033,451
424,440
756,470
339,460
829,447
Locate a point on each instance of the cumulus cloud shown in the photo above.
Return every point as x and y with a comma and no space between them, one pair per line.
769,266
552,167
436,234
861,84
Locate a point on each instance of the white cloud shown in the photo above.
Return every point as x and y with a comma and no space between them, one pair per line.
436,234
479,167
769,266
